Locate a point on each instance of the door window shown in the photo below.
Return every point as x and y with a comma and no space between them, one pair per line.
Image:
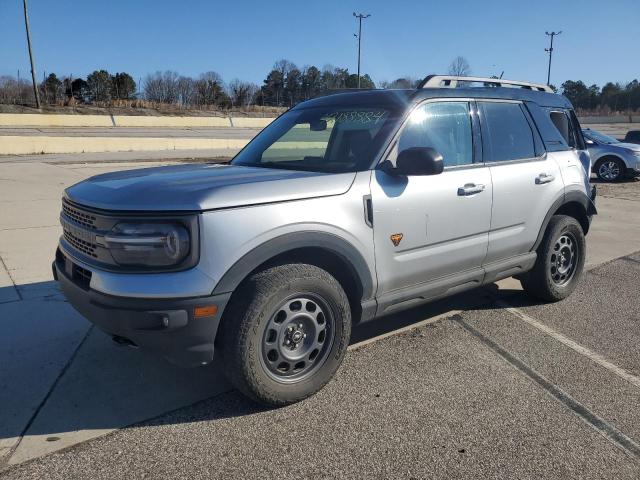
561,122
443,126
506,133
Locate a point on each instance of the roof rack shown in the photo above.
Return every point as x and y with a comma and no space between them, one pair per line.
451,81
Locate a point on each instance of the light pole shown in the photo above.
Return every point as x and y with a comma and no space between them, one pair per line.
550,50
33,70
359,16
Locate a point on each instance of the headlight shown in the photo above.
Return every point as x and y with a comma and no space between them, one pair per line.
636,153
148,244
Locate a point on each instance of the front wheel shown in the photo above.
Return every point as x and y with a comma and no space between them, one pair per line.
285,333
560,261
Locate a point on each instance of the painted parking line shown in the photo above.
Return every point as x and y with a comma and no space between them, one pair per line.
611,433
582,350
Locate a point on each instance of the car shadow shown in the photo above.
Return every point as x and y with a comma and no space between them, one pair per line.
60,376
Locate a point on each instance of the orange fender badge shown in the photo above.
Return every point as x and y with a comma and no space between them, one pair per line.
396,238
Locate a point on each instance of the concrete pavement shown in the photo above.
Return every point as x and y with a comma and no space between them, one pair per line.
62,383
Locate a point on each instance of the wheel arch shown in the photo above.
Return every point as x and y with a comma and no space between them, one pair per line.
605,156
573,204
324,250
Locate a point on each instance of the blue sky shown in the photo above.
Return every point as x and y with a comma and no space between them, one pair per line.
243,38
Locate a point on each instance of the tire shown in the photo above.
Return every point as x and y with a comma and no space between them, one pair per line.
560,261
610,169
273,327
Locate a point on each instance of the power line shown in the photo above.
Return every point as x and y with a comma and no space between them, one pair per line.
550,50
359,16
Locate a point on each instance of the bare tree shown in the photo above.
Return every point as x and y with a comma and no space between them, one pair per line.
284,66
242,93
161,87
460,67
14,91
186,88
210,89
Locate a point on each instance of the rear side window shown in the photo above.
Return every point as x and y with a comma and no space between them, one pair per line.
561,121
506,133
567,128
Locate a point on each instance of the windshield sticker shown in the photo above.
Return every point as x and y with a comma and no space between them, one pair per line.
360,117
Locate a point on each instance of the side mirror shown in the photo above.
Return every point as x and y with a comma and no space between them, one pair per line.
419,161
318,125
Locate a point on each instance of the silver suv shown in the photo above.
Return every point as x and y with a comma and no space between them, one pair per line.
346,208
612,159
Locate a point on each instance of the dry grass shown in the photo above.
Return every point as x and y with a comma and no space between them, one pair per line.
143,107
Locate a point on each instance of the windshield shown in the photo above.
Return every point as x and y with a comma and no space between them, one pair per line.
599,137
329,139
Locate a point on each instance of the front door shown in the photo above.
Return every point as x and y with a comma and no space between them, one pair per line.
430,228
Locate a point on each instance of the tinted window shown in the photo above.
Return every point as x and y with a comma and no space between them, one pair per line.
561,121
443,126
506,134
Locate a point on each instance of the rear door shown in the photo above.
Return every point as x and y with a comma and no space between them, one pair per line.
526,181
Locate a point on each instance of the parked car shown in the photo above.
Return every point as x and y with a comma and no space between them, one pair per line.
632,136
346,208
612,159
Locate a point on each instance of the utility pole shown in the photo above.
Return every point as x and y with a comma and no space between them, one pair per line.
359,16
33,69
550,50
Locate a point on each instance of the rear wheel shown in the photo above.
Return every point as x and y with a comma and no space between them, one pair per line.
285,333
560,261
610,169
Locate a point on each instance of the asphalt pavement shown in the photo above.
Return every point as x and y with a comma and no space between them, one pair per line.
484,384
479,394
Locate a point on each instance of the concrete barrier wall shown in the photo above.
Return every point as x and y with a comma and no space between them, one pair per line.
51,120
142,121
250,122
609,119
15,145
46,120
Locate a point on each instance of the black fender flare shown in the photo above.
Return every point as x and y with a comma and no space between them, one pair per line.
293,241
569,197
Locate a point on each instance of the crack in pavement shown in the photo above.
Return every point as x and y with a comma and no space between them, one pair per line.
584,351
611,433
13,282
4,462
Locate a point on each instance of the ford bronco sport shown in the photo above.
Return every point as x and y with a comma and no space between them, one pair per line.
345,208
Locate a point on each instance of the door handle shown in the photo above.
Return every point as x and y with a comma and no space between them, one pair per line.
470,189
544,178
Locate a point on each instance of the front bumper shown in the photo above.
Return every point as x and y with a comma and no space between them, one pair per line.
167,327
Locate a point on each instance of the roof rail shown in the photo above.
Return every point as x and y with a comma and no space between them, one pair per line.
451,81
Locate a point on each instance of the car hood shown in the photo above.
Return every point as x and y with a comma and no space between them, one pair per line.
195,187
628,146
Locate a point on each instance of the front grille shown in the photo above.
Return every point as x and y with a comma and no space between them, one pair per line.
83,218
85,247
